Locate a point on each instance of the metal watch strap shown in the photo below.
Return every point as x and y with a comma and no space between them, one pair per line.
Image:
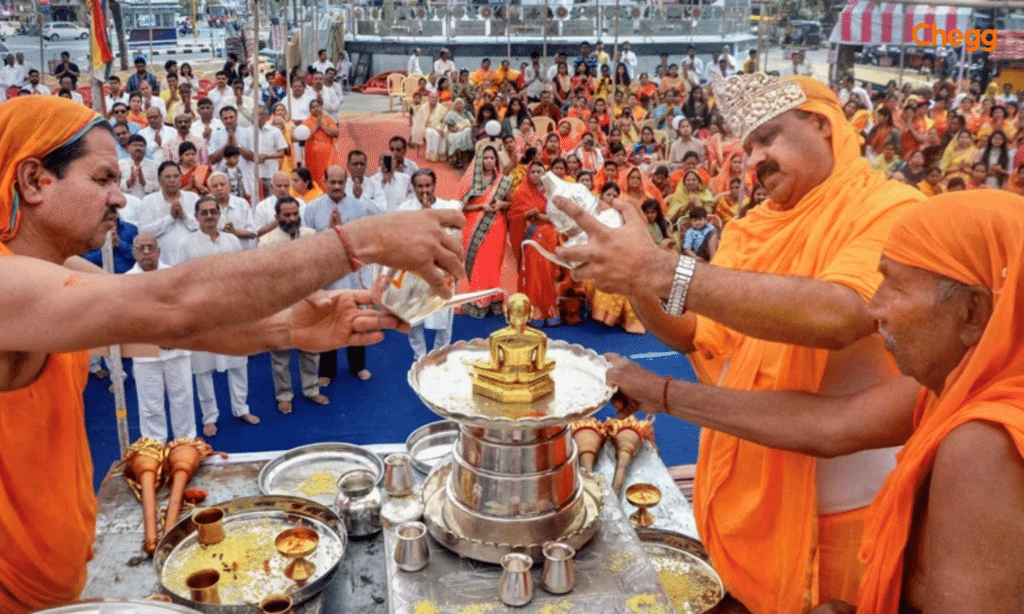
676,303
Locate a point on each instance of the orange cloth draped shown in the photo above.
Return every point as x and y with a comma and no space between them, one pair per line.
320,150
569,142
719,151
756,507
987,385
200,173
47,504
720,182
484,236
536,274
312,194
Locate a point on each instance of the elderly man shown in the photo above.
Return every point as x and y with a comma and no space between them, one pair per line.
59,193
183,127
184,103
340,205
412,66
157,134
326,95
170,371
166,213
139,175
289,228
210,241
235,213
151,98
776,326
428,128
11,75
444,66
945,534
66,84
265,213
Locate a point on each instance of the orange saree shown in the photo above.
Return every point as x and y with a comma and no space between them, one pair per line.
320,150
987,385
536,274
756,507
484,238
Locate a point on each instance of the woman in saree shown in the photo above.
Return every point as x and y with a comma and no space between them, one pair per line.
691,192
193,175
611,309
560,168
603,85
721,146
459,132
484,236
562,83
628,131
569,135
720,183
552,149
303,185
280,119
527,220
696,107
573,166
526,136
600,139
136,114
320,149
583,79
622,81
638,188
604,119
882,132
486,113
515,113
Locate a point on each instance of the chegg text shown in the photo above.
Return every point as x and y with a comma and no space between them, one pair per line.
926,34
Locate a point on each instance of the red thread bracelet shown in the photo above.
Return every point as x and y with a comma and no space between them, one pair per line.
664,394
353,262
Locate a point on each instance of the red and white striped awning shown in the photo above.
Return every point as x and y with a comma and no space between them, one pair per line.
867,22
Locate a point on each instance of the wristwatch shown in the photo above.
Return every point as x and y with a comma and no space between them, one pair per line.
676,303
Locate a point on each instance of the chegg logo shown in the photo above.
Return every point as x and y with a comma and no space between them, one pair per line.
926,34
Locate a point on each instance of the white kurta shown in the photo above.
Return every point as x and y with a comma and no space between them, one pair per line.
239,213
441,319
154,216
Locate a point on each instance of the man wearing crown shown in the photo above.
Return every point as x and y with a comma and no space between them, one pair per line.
778,330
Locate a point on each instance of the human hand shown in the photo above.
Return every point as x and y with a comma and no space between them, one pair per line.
329,320
532,213
620,260
207,131
335,217
229,228
357,187
417,241
176,211
639,389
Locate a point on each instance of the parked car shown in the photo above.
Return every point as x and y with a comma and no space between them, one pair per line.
64,30
803,33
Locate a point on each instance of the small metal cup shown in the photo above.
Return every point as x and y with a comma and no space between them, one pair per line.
398,478
202,586
559,575
276,604
210,524
412,552
516,586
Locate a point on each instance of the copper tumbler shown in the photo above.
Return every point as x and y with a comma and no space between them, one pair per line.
210,524
202,586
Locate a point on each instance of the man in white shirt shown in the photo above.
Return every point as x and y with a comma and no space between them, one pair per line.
849,89
65,84
396,186
242,104
157,134
210,241
398,146
445,67
235,213
628,58
265,213
340,206
117,94
331,81
163,213
19,59
151,100
368,192
11,75
38,88
138,174
207,125
321,64
800,65
232,135
424,182
535,77
1006,97
553,69
288,228
697,63
325,95
298,99
171,371
412,67
221,90
272,148
726,54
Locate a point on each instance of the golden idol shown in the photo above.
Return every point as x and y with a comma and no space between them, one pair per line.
518,370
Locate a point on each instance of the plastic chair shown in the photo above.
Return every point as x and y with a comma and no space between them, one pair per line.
542,124
578,125
395,80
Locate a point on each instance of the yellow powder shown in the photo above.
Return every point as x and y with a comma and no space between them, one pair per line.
688,585
320,483
424,607
645,604
620,560
562,607
477,608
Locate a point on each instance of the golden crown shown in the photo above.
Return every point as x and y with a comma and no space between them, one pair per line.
749,100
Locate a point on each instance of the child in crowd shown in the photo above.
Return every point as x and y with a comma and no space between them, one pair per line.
701,240
657,225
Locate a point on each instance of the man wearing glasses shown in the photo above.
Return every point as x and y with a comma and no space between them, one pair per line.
210,241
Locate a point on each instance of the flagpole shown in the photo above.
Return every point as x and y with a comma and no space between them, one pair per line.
255,73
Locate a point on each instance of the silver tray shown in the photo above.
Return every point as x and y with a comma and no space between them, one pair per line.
444,384
431,444
115,606
312,471
260,518
675,552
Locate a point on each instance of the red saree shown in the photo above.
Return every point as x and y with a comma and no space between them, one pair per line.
537,275
483,238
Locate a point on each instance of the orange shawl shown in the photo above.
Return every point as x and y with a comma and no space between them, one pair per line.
47,504
568,142
987,385
756,507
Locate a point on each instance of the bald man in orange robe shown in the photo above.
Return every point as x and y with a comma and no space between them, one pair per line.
778,330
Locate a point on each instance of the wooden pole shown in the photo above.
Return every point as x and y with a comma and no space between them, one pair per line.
116,367
255,74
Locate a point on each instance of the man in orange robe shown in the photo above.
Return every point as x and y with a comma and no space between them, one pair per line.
59,195
777,328
945,534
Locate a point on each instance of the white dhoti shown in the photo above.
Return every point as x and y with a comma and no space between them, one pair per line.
437,145
173,375
440,321
237,367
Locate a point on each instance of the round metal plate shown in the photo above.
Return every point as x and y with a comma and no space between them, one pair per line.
431,443
112,606
312,471
685,567
443,381
260,568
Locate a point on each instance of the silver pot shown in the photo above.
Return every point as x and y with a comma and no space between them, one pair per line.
514,457
507,495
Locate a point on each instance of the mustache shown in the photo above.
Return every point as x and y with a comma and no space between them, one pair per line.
766,168
890,341
110,215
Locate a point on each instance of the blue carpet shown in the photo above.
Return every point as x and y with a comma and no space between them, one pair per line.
381,410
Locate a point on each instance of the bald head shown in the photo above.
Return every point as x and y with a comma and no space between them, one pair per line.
183,123
335,177
146,251
280,184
